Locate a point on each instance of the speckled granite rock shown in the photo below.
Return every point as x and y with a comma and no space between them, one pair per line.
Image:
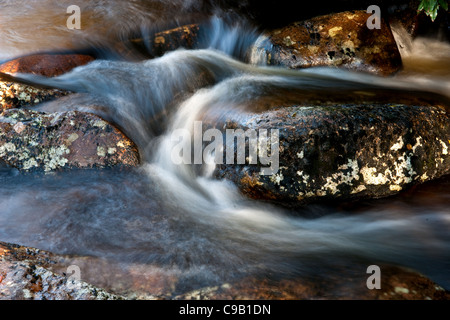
345,151
16,95
31,140
186,36
49,65
338,40
24,275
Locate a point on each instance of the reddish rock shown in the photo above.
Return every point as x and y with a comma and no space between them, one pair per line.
162,42
342,152
338,40
397,283
31,140
49,65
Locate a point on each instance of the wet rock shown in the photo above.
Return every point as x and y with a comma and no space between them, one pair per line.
25,275
16,95
186,36
338,40
35,141
49,65
397,283
344,151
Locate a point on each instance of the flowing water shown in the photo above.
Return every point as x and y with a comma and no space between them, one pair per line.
177,218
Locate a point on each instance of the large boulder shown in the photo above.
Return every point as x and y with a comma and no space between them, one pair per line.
337,40
344,151
35,141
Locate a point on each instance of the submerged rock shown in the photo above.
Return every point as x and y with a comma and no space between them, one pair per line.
338,40
344,151
31,140
16,95
25,275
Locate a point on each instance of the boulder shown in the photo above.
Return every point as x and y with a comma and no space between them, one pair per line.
397,283
344,151
36,141
337,40
186,36
31,273
25,275
49,65
16,95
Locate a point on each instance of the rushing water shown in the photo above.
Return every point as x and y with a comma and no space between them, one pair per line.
178,219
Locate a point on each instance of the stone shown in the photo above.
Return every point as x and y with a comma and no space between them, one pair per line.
49,65
25,275
336,40
36,141
16,95
343,152
397,283
186,36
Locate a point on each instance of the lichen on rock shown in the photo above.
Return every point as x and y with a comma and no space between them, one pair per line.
31,140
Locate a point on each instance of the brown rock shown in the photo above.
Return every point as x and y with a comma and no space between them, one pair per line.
49,65
16,95
343,151
182,37
31,140
397,283
185,36
338,40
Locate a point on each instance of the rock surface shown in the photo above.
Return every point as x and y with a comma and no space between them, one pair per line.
30,273
49,65
396,284
186,36
338,40
25,275
16,95
345,151
35,141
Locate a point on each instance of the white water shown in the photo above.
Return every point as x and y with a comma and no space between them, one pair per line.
201,229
